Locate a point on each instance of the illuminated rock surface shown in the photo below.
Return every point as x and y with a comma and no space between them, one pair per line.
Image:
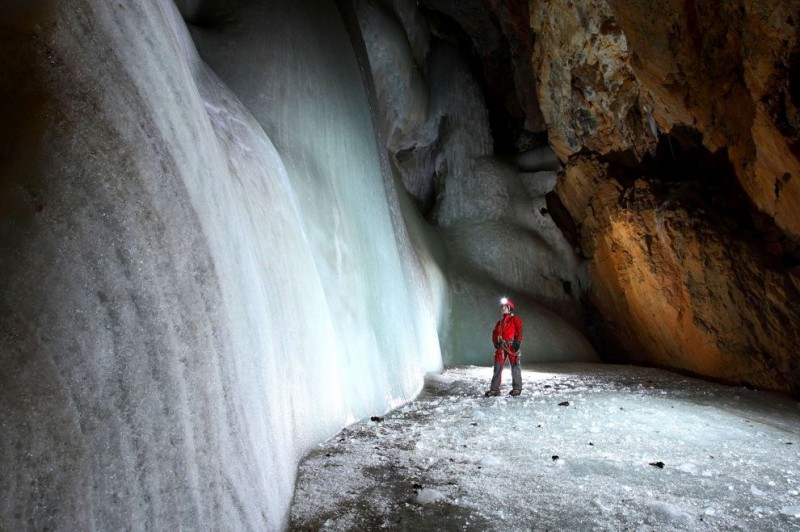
677,126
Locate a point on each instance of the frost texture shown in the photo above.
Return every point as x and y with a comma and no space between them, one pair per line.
455,460
220,277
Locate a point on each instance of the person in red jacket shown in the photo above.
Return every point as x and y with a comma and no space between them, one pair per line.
507,337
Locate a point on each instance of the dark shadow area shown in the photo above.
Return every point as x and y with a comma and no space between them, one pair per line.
705,185
28,111
684,174
208,14
783,103
496,81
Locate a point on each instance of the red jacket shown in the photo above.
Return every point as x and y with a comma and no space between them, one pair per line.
509,328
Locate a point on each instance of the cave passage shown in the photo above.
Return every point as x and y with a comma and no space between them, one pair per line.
585,447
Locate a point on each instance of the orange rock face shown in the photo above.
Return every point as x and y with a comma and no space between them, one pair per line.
681,291
694,261
588,93
729,70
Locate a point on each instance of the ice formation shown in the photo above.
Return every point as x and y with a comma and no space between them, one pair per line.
222,272
496,231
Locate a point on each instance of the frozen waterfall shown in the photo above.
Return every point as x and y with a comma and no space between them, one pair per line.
208,265
202,298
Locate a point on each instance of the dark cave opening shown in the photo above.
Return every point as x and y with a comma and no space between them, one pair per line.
506,116
706,185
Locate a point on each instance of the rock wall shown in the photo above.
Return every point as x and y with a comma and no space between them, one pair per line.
728,69
587,89
677,123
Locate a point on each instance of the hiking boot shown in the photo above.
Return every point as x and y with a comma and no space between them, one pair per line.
515,392
492,393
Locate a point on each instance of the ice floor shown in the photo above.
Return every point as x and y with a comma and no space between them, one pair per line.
586,447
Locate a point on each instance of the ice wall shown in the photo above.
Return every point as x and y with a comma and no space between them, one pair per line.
203,274
491,211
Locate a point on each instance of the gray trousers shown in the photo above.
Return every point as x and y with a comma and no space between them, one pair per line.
516,375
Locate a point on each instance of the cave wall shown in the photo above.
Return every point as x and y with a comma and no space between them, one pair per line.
163,221
678,128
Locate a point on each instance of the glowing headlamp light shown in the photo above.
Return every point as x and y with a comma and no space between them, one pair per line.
504,301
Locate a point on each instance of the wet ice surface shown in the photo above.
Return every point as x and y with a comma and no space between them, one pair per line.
586,447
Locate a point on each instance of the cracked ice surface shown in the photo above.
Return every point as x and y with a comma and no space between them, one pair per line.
453,459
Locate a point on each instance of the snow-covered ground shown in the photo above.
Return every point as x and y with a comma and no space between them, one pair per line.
586,447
